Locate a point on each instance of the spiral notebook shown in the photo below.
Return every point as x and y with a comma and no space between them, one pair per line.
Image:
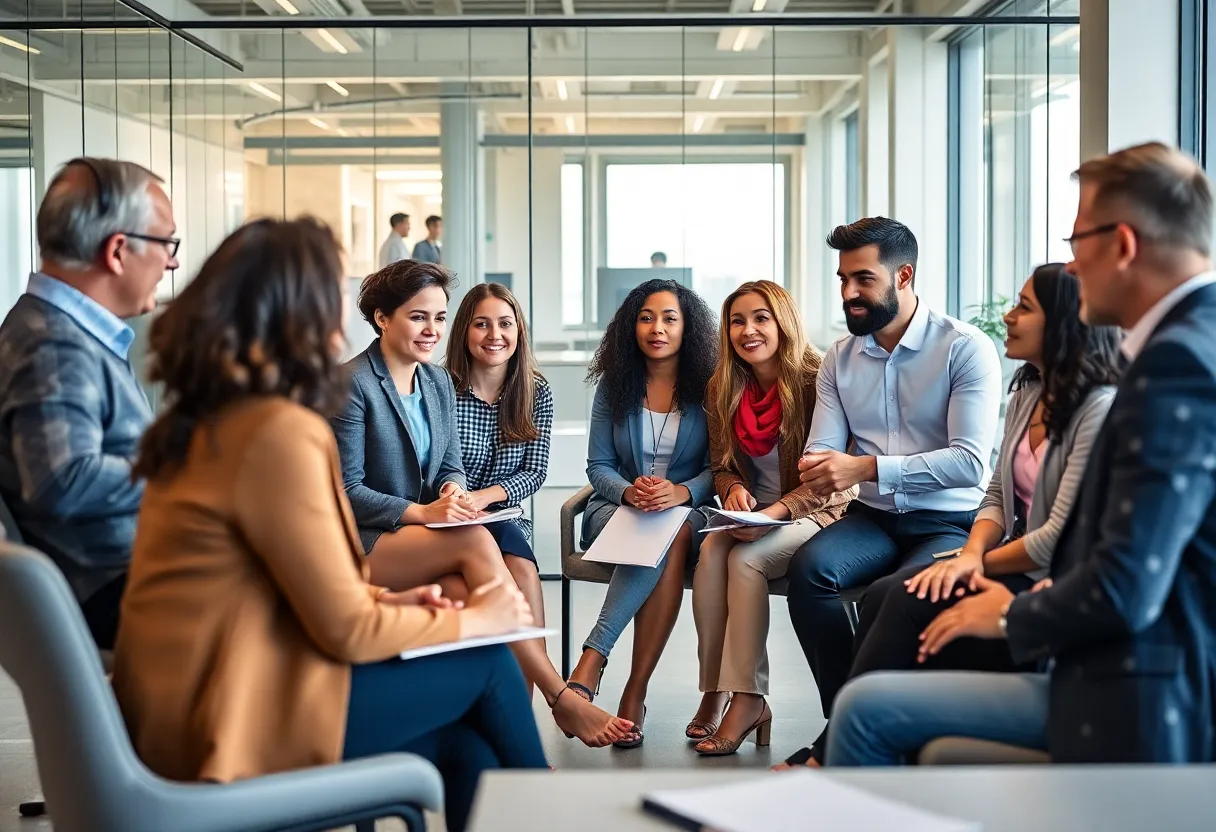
509,513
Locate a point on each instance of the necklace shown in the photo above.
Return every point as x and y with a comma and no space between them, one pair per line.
655,438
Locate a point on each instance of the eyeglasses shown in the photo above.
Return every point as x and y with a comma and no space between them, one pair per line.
1093,232
171,243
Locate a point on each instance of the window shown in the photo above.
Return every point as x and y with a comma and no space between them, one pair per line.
572,243
852,162
724,221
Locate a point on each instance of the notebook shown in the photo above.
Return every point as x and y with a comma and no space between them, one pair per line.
794,801
522,634
637,538
720,520
509,513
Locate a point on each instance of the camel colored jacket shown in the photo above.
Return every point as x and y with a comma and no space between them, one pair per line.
248,602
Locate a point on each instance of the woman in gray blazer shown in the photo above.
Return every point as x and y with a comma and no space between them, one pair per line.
401,466
1060,398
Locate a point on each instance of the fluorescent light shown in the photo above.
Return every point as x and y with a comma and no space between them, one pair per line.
758,6
338,88
320,125
324,35
287,7
342,132
435,199
700,122
569,124
19,45
740,40
716,89
562,92
260,90
1066,35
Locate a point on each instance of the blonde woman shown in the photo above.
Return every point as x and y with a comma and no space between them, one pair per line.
759,405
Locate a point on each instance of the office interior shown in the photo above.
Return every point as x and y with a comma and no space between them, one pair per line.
562,150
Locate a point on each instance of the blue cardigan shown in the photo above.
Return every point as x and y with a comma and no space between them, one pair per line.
614,458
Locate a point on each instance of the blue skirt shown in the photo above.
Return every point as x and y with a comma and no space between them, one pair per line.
511,540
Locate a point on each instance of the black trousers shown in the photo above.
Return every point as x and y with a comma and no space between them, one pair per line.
101,612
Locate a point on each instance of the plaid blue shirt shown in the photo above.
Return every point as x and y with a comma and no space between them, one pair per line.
71,418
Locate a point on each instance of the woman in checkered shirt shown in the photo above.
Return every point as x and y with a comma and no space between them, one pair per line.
504,412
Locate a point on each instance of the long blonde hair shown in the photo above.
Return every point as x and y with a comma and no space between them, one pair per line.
515,420
795,356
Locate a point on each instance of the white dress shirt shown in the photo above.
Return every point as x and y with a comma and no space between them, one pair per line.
1139,334
393,249
928,411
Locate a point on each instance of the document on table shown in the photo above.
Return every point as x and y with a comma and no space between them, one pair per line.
522,634
509,513
794,802
720,520
637,538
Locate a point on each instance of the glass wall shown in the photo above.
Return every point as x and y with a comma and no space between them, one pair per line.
561,159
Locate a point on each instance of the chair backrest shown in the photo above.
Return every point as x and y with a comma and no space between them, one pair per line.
85,759
8,526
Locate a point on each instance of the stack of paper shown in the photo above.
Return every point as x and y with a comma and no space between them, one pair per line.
722,521
481,520
794,802
637,538
522,634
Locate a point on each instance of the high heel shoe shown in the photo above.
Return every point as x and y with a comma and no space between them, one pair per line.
586,692
718,746
705,730
634,738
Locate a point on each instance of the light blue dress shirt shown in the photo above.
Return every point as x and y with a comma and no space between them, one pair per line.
101,323
415,417
928,412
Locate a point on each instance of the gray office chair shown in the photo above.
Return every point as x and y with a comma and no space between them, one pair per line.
93,779
574,568
964,751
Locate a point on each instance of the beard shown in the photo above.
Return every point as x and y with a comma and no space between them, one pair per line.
878,315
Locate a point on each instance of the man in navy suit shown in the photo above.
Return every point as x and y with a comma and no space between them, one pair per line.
1126,625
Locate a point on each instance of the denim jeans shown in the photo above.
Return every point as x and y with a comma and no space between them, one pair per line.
865,545
882,719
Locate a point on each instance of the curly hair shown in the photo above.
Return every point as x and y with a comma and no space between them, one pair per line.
620,367
1076,357
258,320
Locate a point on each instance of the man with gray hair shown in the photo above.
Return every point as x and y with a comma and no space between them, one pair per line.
71,410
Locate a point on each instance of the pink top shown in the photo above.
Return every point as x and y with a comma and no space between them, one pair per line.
1026,469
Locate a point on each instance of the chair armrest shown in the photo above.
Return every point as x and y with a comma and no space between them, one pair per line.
571,509
299,799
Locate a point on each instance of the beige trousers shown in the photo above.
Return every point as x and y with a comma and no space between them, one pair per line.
730,605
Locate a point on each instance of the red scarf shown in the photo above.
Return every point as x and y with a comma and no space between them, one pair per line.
757,422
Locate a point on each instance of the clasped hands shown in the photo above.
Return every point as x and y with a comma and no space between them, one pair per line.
656,494
829,472
454,505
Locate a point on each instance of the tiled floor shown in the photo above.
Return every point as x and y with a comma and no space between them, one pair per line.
673,698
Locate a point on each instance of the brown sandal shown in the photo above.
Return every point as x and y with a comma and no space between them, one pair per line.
706,729
717,746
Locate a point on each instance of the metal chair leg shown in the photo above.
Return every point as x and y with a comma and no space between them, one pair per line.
566,627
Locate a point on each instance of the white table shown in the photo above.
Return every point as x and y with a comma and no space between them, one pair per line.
1012,799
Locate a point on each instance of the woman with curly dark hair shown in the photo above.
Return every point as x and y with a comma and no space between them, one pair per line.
251,641
1060,398
648,448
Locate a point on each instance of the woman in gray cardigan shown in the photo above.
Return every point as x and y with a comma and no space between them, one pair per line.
401,468
1060,398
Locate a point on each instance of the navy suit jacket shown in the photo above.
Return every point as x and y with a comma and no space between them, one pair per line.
1131,617
380,468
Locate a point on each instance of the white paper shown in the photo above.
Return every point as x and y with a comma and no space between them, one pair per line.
509,513
797,801
637,538
522,634
722,521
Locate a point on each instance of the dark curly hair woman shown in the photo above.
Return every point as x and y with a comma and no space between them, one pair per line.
252,642
1060,398
648,449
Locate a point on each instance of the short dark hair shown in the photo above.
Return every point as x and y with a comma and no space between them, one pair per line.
398,218
1162,191
432,219
895,241
658,255
389,288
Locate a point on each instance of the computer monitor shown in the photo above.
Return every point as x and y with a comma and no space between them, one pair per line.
504,278
614,285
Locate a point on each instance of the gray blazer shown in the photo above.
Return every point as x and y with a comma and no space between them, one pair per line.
1059,476
380,469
